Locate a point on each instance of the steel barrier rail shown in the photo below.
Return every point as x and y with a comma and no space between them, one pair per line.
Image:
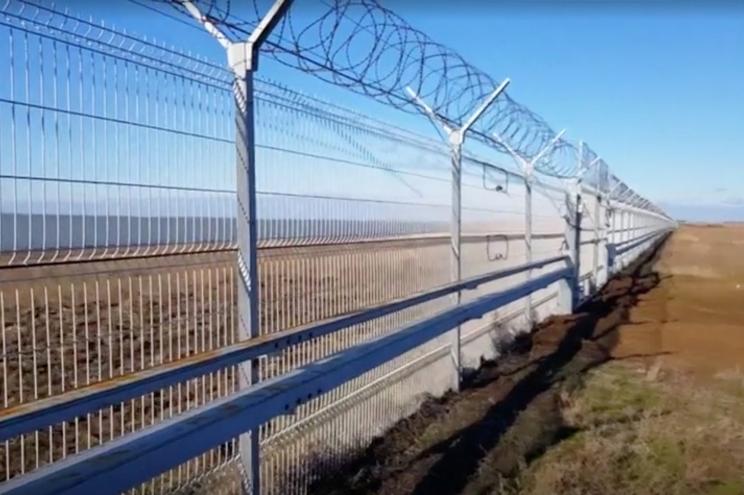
617,249
621,206
53,410
123,463
274,244
625,246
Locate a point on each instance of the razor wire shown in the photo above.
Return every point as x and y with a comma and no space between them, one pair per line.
367,48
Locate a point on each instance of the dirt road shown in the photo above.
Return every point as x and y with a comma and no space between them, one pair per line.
681,308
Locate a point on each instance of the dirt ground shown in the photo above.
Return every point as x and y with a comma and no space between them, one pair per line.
695,317
676,314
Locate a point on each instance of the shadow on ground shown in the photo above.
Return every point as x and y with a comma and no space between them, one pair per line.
508,414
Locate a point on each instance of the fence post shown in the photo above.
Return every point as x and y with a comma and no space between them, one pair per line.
601,221
455,139
601,275
574,208
597,234
242,57
528,171
248,302
528,240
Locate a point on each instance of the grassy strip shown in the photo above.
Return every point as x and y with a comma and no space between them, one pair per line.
633,436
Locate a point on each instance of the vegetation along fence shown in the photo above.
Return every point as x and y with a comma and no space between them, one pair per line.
211,282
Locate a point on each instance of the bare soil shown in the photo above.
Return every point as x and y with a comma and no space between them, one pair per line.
694,319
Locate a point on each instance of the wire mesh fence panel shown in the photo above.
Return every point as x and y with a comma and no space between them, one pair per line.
106,144
352,214
115,152
64,330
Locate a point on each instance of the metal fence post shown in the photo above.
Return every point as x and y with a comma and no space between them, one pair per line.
242,57
597,234
455,139
248,323
575,219
601,275
528,239
528,170
628,234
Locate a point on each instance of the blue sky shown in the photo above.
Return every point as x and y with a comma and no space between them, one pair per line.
658,92
656,88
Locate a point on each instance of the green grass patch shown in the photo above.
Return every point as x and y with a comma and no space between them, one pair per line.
637,437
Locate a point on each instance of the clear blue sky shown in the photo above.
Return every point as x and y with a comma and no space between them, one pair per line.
656,88
657,91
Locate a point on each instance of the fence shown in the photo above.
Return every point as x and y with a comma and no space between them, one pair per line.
129,321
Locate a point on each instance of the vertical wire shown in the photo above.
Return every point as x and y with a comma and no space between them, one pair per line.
75,376
57,160
99,357
20,375
128,146
119,189
110,352
94,153
43,173
138,146
83,188
27,80
13,135
68,108
122,362
108,162
3,328
48,366
34,363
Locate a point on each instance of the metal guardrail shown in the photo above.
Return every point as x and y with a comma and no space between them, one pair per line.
614,251
624,247
45,412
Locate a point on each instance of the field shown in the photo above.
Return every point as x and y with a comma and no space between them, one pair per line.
695,316
640,392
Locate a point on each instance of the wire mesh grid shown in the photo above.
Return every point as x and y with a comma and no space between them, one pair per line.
105,142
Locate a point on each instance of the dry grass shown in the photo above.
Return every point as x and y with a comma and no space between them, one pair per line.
633,436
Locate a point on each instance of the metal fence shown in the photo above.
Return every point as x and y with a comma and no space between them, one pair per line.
123,256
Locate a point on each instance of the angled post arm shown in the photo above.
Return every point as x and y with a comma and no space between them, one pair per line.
455,138
242,57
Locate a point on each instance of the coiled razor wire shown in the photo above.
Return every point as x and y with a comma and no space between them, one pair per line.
367,48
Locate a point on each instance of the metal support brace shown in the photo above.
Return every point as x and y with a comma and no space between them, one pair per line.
616,226
604,223
242,57
597,221
455,139
574,207
528,170
575,211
